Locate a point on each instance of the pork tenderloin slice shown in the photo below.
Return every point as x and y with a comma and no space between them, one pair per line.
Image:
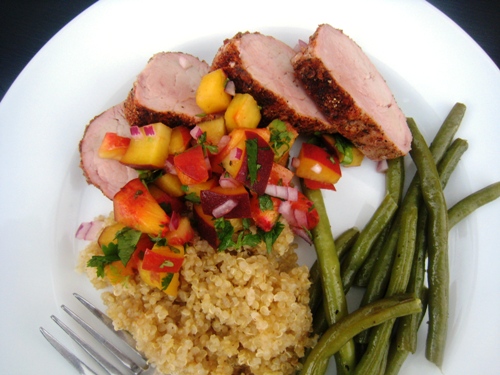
165,91
352,94
260,65
106,174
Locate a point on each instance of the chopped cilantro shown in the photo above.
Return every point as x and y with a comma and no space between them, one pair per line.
167,263
149,176
281,138
165,282
265,202
344,146
192,197
202,140
270,237
123,249
225,233
252,150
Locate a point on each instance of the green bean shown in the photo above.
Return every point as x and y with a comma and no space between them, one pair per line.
343,243
363,275
450,160
472,202
368,316
408,326
400,274
361,248
438,271
334,300
380,274
395,179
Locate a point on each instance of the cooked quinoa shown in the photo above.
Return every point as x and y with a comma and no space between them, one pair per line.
236,312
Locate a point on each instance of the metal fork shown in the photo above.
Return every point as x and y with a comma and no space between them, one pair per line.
137,366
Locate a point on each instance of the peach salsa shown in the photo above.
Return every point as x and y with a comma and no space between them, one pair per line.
213,206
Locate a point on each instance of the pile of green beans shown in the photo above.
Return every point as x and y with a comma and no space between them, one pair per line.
388,259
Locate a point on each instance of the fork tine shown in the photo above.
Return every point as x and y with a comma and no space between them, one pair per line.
127,362
112,370
81,367
123,335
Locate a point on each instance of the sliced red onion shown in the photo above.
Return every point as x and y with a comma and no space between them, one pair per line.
382,166
302,233
283,192
135,132
300,217
196,132
207,163
223,142
295,162
149,130
236,153
300,45
285,209
317,168
174,221
88,231
169,167
224,208
230,88
228,182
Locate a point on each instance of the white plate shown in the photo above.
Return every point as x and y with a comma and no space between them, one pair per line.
89,65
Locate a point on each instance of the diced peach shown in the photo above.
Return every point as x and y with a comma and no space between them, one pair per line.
236,137
211,95
117,273
197,188
108,234
113,146
149,149
155,279
170,184
280,175
215,130
243,112
317,164
179,140
183,234
135,207
264,219
191,166
205,226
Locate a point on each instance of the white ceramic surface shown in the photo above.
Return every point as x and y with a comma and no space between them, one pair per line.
90,65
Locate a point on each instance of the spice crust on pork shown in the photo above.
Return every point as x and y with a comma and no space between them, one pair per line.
165,91
352,94
260,65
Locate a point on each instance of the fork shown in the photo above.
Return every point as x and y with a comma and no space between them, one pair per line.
138,366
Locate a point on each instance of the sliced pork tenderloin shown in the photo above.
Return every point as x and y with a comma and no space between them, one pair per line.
260,65
352,94
106,174
165,91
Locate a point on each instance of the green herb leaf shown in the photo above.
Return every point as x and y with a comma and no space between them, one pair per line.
281,138
165,282
192,197
127,241
252,149
270,237
344,146
149,176
265,202
202,140
225,231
